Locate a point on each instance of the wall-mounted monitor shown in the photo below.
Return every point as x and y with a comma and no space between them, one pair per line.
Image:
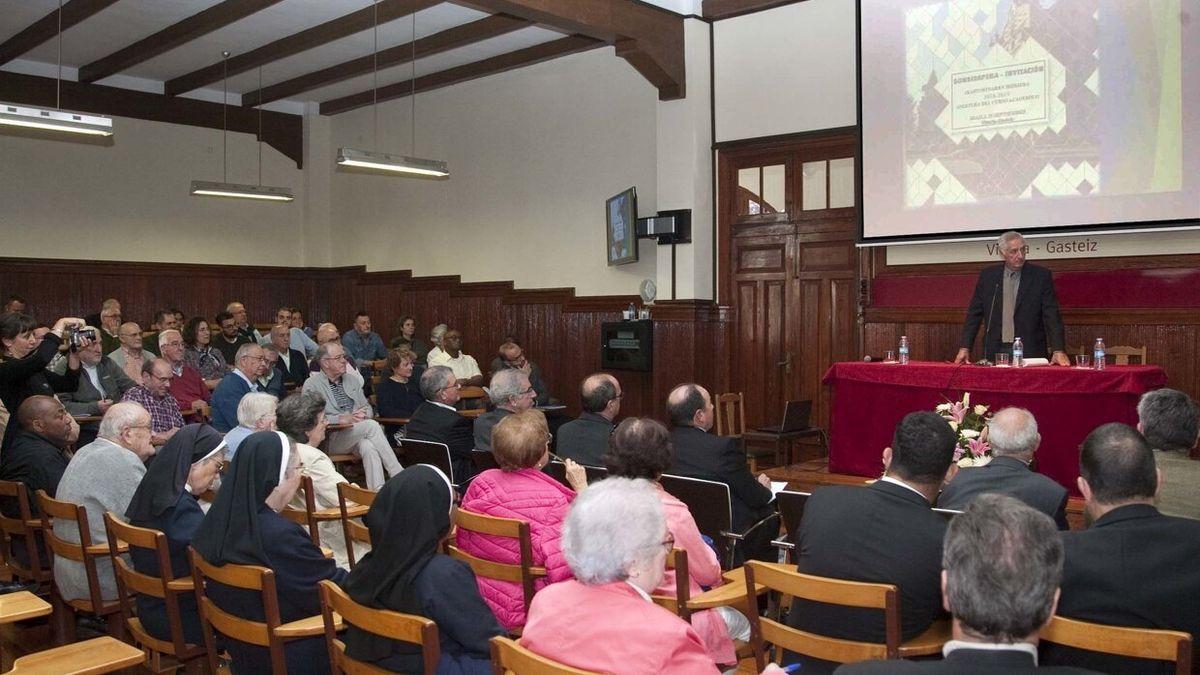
620,218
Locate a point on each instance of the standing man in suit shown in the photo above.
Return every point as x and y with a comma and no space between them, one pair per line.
585,439
1133,566
249,363
1014,300
1013,435
699,454
1000,572
885,533
292,365
437,420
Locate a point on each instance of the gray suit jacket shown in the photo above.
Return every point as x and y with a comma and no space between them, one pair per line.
83,400
352,384
1011,477
484,425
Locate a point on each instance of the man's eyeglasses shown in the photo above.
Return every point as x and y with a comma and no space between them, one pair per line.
668,543
339,357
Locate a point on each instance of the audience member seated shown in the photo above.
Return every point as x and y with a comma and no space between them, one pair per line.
229,340
400,394
327,333
298,322
512,356
302,418
292,364
244,527
154,394
585,439
101,383
641,448
519,489
407,573
255,412
435,342
187,465
1171,423
884,533
110,325
39,452
241,319
164,319
296,337
510,393
102,476
270,378
249,364
200,354
14,304
1001,568
465,368
699,454
1013,435
406,329
361,343
1133,566
437,420
342,390
23,363
131,356
187,386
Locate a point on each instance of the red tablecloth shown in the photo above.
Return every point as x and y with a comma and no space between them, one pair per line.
869,399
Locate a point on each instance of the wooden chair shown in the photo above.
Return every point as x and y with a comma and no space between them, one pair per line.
731,414
594,473
164,587
311,517
1140,643
25,532
784,579
711,506
429,452
351,497
510,658
91,657
783,443
270,634
337,458
1118,355
384,623
524,573
677,560
791,510
472,398
86,553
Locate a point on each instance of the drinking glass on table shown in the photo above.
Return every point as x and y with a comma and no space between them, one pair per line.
889,356
1083,361
1003,360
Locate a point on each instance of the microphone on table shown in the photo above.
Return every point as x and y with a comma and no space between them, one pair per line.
868,358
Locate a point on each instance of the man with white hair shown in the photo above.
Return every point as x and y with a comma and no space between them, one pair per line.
154,394
249,365
328,332
242,321
1170,421
255,412
1013,435
296,338
437,420
110,325
292,366
345,403
101,382
510,392
102,477
187,386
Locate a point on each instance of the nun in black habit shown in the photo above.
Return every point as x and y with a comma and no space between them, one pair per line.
404,572
187,465
244,527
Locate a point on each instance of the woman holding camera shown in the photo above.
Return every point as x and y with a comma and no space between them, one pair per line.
23,362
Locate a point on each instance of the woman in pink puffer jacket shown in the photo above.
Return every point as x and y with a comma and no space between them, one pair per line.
520,490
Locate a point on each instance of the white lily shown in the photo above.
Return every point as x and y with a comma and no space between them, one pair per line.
944,407
966,399
980,409
954,425
969,433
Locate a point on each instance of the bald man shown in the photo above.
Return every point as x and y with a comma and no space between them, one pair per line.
38,455
585,439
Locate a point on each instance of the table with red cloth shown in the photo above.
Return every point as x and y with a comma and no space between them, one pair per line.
869,400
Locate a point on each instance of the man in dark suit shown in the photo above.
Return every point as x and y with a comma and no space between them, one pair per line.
511,392
884,533
437,420
292,366
585,439
1001,568
1013,435
1014,300
249,364
1133,566
699,454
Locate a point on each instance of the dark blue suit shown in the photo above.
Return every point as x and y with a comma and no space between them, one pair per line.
225,401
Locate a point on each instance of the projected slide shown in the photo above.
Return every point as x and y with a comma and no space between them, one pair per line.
996,114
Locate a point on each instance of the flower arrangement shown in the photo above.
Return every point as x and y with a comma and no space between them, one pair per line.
970,425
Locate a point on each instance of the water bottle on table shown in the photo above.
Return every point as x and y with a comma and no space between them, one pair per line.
903,350
1018,353
1098,354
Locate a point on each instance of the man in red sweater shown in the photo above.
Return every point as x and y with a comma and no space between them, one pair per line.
187,387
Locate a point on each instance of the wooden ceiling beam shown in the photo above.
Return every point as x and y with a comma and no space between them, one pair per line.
355,22
649,38
175,35
497,64
716,10
446,40
47,27
282,131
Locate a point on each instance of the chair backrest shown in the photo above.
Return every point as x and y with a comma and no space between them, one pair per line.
213,618
710,504
307,517
791,508
731,414
84,552
784,579
472,397
25,527
484,460
677,560
1118,354
384,623
352,529
947,513
594,473
510,658
165,587
428,452
523,573
1140,643
558,471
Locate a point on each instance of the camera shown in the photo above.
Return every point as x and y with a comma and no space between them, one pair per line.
75,336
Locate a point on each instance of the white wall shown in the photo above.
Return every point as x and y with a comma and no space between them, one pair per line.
533,155
129,201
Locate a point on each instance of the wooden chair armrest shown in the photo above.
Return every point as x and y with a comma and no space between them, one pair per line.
732,592
102,549
928,643
182,585
33,524
310,627
537,571
327,552
352,511
392,420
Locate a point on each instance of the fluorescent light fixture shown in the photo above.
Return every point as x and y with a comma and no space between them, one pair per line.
55,120
379,161
236,191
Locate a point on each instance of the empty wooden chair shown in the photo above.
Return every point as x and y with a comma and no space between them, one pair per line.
510,658
350,498
382,622
90,657
1117,355
731,414
524,573
23,548
1140,643
165,587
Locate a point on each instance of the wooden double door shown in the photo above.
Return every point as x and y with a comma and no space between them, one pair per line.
787,227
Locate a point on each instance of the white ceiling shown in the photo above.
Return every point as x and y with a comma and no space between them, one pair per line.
128,21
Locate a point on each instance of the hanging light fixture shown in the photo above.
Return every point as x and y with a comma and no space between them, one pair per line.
58,119
381,162
262,192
